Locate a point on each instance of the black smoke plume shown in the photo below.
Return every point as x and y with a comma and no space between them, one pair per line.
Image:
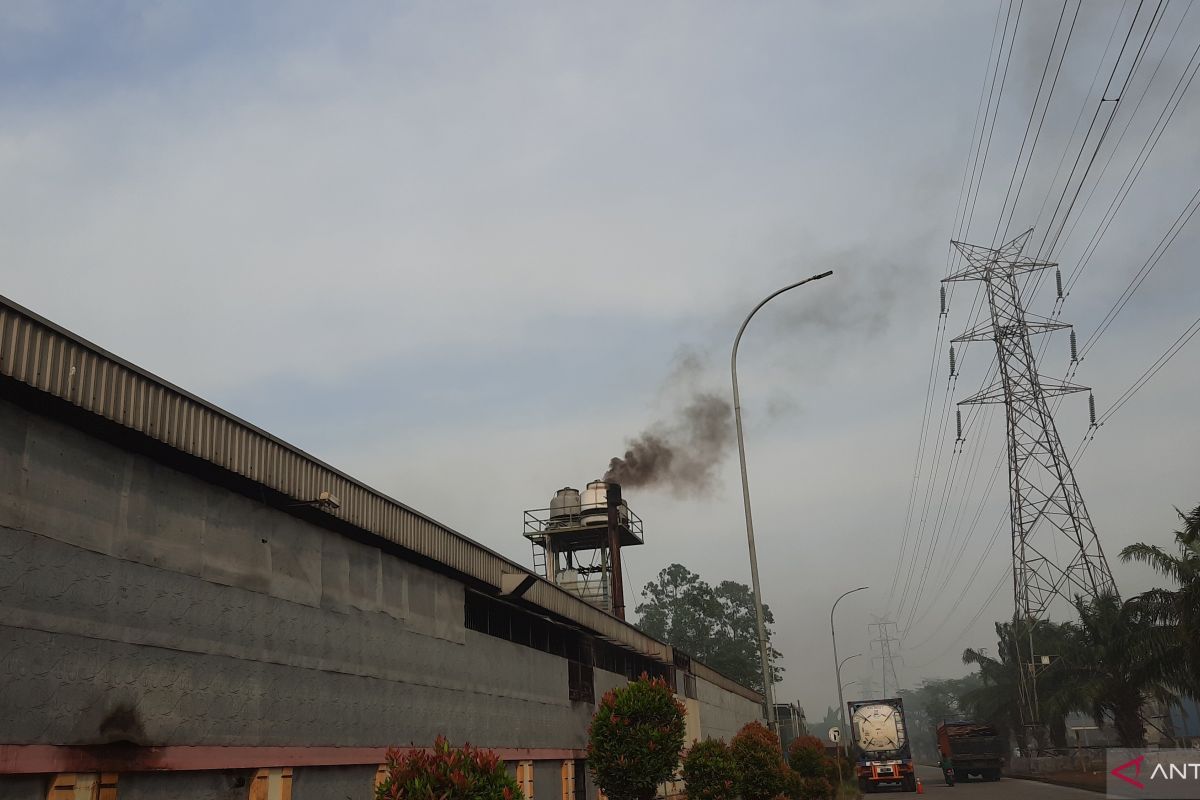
683,455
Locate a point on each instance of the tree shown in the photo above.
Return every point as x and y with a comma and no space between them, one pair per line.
806,755
1121,661
714,625
1179,608
709,771
635,739
997,700
931,702
762,773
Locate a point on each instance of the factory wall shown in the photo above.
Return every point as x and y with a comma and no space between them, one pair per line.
140,605
723,713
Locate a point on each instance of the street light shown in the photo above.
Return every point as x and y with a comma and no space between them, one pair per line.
843,661
768,690
838,664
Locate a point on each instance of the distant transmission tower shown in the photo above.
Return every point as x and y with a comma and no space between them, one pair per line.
886,633
1046,507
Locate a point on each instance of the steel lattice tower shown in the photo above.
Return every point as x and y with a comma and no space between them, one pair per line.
1045,504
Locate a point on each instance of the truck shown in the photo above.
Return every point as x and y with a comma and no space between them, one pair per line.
974,747
880,746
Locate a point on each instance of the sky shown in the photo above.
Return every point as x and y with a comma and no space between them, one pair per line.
466,252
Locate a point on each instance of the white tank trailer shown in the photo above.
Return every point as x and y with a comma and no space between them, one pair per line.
879,743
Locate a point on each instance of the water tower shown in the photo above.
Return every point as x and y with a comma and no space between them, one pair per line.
577,542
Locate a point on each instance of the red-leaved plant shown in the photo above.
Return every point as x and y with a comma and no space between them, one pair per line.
635,739
762,773
709,771
446,773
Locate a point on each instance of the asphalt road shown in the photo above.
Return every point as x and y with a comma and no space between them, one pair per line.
1003,789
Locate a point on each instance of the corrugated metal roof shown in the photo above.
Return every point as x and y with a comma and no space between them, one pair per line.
45,356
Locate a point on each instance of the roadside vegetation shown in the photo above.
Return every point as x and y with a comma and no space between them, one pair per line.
1121,657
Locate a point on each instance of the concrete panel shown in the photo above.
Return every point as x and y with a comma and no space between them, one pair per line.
335,573
296,563
332,783
162,522
14,423
364,576
206,785
602,681
547,780
23,787
723,713
235,546
394,587
74,487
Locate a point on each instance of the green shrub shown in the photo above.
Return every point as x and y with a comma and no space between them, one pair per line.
635,739
806,755
762,774
446,773
710,771
802,788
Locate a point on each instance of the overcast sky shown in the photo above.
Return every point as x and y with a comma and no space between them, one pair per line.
466,251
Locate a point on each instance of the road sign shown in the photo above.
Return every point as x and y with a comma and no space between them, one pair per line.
834,734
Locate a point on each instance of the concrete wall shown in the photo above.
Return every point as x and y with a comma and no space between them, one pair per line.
140,604
723,713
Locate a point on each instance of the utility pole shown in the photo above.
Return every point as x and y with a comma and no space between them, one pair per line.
1055,551
885,631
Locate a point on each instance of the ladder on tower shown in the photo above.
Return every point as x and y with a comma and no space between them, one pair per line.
539,558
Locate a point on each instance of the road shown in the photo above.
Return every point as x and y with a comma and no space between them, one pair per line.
1003,789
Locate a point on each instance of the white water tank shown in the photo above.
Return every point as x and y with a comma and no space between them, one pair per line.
594,504
565,503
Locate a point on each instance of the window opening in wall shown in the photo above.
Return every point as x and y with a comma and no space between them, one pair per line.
584,653
581,681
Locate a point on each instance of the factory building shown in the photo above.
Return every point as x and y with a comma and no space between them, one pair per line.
191,607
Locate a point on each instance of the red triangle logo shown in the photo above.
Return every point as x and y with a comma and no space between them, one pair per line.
1137,770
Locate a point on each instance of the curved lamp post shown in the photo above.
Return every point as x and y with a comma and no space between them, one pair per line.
838,664
768,689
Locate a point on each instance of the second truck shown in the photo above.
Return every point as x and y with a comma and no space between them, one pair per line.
973,747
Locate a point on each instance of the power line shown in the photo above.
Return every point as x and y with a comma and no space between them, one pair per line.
1091,126
1033,111
1143,272
1160,362
1139,161
934,370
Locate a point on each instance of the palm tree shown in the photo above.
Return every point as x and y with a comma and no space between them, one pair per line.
997,699
1122,661
1179,608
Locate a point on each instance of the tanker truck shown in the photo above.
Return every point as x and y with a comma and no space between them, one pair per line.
879,744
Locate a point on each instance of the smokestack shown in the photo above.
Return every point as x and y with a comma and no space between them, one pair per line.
613,496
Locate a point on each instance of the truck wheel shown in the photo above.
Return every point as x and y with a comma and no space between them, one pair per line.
910,784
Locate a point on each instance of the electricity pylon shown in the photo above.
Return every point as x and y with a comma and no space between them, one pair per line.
1045,504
